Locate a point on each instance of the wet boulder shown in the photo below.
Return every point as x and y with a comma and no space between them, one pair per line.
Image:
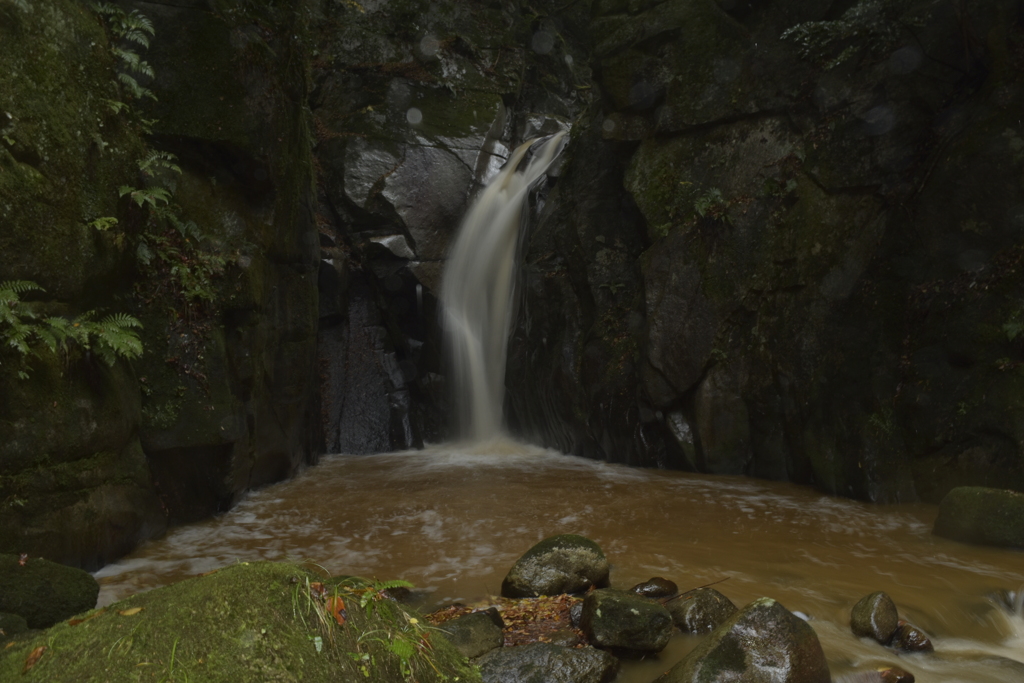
874,616
44,592
701,610
566,563
762,643
985,516
621,620
546,663
910,638
475,634
656,587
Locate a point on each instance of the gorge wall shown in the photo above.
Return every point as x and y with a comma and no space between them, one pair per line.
787,245
784,241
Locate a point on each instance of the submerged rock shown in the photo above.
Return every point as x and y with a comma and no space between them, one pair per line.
546,663
656,587
910,638
475,634
624,621
700,610
874,616
895,674
762,643
985,516
892,674
44,592
566,563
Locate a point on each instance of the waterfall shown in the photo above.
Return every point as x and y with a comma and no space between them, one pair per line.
478,290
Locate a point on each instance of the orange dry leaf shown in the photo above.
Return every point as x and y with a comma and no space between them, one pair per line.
130,612
76,622
33,657
336,606
317,589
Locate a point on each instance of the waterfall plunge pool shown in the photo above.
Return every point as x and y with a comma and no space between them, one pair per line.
453,518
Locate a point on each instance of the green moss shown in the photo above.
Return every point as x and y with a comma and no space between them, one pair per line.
249,622
62,151
44,592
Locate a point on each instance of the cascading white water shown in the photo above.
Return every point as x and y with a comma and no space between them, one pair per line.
478,288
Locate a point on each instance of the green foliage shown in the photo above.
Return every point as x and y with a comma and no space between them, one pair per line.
874,26
711,204
132,30
21,329
169,248
1014,326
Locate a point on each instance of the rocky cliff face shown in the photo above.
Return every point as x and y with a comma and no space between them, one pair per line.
94,458
812,271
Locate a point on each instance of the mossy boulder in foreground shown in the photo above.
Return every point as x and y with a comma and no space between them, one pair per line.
44,592
986,516
258,621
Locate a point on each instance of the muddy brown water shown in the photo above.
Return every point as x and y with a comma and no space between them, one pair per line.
452,519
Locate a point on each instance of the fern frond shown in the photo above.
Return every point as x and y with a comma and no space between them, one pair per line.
46,336
159,160
138,21
395,583
131,59
16,287
121,320
106,8
137,37
145,69
133,85
18,337
103,223
116,106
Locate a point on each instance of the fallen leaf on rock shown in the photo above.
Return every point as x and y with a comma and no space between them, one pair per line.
23,560
130,612
33,657
336,606
317,589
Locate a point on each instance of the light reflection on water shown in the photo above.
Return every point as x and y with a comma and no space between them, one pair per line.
452,519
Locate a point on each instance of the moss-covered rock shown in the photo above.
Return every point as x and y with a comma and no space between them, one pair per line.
700,610
985,516
44,592
874,616
63,150
623,621
247,622
11,625
74,483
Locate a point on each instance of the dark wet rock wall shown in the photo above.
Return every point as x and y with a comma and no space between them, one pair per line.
824,282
